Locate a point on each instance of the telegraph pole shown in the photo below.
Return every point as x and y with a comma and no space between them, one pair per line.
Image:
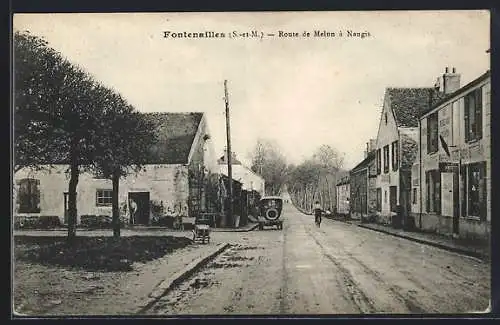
229,217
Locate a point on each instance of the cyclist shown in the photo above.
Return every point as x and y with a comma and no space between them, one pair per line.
317,213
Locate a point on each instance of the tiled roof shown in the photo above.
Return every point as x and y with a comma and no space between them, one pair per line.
176,132
443,98
366,162
409,103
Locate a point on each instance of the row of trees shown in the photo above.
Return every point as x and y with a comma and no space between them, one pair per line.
62,115
313,179
316,179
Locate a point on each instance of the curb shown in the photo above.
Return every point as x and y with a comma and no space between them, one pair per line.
430,243
169,283
235,230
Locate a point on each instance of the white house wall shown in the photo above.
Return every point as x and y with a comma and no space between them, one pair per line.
387,133
249,180
451,127
165,183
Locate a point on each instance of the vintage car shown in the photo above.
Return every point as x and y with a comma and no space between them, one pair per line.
270,208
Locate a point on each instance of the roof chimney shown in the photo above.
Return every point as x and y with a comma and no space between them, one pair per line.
370,146
373,145
451,81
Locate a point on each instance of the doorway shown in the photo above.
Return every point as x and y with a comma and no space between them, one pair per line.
140,214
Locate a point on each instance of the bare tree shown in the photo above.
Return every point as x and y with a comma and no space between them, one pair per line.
330,161
269,162
315,178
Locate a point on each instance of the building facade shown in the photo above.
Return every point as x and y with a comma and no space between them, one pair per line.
396,148
171,185
453,187
343,193
363,186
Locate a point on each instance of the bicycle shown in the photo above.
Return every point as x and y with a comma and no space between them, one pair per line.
317,220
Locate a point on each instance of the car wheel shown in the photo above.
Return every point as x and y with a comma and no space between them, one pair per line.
271,214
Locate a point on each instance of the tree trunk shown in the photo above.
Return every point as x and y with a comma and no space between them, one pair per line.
72,209
329,193
115,208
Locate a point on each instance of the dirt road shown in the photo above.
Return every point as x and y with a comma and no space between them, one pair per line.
336,269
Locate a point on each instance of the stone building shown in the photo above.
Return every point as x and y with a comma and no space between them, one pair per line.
172,184
452,183
343,192
363,182
396,148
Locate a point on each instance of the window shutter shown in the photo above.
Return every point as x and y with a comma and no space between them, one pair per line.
427,200
466,118
465,190
396,156
437,191
428,135
484,193
479,113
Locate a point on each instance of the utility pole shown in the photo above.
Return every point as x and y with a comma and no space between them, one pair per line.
229,217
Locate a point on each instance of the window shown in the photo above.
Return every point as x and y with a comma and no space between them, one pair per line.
433,183
432,133
385,196
386,159
379,199
103,197
28,196
476,190
473,114
414,196
393,197
385,115
379,161
395,155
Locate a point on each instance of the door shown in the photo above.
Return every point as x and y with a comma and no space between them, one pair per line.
139,208
447,195
393,197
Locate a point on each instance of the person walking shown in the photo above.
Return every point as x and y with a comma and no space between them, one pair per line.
317,213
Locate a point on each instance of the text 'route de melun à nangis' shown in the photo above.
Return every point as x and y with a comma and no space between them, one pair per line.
324,34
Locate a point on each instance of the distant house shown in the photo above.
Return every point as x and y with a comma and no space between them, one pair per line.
363,186
452,182
250,180
396,148
171,184
343,193
251,188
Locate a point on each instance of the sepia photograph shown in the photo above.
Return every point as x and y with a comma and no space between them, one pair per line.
291,163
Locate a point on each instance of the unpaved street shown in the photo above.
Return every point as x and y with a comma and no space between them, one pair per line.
336,269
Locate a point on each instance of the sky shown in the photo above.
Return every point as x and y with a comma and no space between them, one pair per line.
301,92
